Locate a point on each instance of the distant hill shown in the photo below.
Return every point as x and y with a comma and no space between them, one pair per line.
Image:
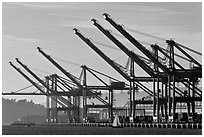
13,110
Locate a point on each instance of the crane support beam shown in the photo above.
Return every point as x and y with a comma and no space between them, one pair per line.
68,93
12,93
145,79
67,108
188,73
107,88
98,106
165,100
136,43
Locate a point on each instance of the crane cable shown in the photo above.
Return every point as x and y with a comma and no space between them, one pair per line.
39,70
120,50
23,88
105,45
142,33
162,39
146,43
189,49
66,61
35,73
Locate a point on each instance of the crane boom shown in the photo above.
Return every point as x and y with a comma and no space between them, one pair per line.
131,54
12,93
136,43
109,61
65,101
32,82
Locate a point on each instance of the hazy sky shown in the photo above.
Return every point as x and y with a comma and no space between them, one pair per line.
26,26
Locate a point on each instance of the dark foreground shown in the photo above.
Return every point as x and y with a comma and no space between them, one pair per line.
81,130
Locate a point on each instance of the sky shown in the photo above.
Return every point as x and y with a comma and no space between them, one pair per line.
25,26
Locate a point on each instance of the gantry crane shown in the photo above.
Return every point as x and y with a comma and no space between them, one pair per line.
188,73
118,68
35,84
54,110
65,101
69,75
73,78
110,88
181,72
171,72
192,74
147,52
131,54
48,94
149,55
